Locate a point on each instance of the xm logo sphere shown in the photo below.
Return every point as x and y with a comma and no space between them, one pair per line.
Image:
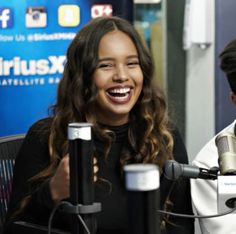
6,18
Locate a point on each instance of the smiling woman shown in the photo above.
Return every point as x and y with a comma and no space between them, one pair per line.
118,78
107,81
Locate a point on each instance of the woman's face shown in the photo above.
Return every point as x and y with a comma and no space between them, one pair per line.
118,78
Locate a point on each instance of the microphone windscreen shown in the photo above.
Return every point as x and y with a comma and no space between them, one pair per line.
172,170
142,177
226,146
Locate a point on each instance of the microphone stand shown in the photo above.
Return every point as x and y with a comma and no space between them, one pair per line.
81,179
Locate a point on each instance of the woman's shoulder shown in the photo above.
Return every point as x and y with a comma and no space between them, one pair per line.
40,129
36,139
41,124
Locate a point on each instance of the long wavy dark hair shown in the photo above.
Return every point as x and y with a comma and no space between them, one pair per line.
148,135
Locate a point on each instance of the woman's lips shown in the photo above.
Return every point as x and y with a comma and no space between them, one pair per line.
119,95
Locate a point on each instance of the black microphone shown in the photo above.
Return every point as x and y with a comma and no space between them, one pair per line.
173,170
226,146
81,173
143,198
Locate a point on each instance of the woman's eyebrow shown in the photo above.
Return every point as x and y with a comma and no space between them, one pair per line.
111,58
105,59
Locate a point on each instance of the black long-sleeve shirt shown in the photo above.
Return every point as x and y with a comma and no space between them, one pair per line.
34,157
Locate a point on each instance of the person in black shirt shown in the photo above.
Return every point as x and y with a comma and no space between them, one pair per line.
107,81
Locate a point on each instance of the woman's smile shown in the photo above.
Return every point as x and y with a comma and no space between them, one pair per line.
119,95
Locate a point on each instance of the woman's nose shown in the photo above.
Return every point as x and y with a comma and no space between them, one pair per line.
121,74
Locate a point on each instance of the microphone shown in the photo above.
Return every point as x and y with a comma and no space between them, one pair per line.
81,175
226,146
81,162
226,183
142,183
143,198
226,196
173,170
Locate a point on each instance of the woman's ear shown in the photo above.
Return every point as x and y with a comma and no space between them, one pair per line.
233,97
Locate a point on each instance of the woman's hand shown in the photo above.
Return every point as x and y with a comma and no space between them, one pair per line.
60,182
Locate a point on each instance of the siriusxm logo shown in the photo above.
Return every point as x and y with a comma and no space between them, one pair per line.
6,18
17,66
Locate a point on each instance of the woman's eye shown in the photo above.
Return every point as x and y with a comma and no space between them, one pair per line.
133,64
105,65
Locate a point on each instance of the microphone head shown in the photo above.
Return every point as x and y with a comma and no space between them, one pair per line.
172,170
226,146
142,177
81,130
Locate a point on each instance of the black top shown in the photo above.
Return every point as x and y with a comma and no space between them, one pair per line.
34,157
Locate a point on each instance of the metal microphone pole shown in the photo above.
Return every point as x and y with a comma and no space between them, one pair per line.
142,184
81,179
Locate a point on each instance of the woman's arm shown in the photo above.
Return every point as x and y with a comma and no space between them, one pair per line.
32,158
